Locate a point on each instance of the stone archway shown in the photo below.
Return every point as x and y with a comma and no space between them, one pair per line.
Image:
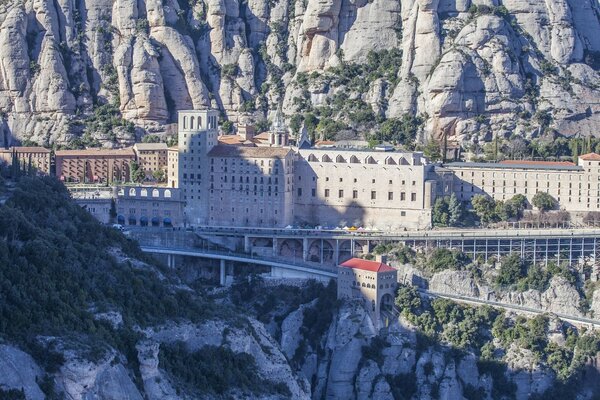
386,303
321,250
291,248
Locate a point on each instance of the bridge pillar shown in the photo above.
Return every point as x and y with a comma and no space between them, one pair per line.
222,273
336,252
305,249
247,244
275,247
171,261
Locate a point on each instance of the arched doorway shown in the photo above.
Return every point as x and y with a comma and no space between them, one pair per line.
132,220
155,221
120,219
144,221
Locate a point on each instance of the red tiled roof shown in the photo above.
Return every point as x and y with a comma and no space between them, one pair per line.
547,163
366,265
590,157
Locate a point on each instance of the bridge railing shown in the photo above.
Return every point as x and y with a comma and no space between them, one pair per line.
188,242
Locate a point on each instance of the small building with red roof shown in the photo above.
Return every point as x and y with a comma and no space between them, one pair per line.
373,281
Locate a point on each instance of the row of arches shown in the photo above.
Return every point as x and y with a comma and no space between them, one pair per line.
143,192
194,122
353,159
371,286
144,221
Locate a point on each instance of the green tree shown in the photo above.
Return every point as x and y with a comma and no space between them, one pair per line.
433,150
484,207
511,270
455,209
136,173
159,175
441,214
519,202
543,201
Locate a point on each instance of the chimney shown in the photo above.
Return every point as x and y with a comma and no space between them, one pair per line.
380,258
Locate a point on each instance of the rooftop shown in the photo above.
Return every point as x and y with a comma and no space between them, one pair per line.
517,165
150,146
26,149
539,163
250,152
590,157
128,151
366,265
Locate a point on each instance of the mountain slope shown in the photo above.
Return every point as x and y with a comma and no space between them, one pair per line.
467,67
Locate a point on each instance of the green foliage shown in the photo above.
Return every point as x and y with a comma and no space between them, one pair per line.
404,386
408,300
373,351
448,211
229,71
502,387
433,150
400,130
441,259
543,201
227,127
151,139
102,123
136,173
56,263
12,394
484,207
511,270
215,370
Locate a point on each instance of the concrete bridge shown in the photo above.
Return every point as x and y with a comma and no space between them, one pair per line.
335,246
174,245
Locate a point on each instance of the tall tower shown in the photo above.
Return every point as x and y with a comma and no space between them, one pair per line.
197,134
279,134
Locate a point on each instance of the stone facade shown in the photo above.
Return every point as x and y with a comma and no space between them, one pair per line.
173,167
94,165
38,156
387,190
151,157
149,206
373,281
576,188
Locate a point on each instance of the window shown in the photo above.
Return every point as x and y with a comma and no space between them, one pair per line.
314,192
402,196
326,192
340,193
299,192
355,194
403,213
390,195
373,195
413,197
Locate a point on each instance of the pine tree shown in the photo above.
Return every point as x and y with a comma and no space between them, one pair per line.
455,210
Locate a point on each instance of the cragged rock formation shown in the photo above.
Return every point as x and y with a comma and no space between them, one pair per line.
471,68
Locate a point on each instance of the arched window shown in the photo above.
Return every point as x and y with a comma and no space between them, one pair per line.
199,122
325,158
168,192
390,161
354,160
340,159
132,192
185,125
144,193
312,158
121,192
363,284
381,286
192,120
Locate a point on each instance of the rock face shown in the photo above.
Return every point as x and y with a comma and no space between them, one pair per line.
468,66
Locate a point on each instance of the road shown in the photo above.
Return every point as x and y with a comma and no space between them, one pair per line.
575,320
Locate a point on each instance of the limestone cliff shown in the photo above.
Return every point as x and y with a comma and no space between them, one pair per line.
468,67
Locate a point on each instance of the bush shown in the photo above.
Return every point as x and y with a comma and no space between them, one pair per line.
511,270
441,259
215,370
543,201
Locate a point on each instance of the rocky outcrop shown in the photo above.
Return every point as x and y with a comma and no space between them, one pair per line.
468,70
19,371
